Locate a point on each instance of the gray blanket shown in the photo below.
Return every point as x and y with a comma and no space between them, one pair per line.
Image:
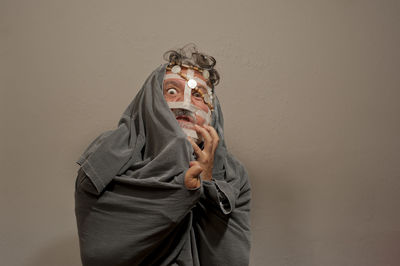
132,207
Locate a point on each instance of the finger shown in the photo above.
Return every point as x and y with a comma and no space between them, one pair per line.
192,176
207,138
194,171
214,136
191,163
196,148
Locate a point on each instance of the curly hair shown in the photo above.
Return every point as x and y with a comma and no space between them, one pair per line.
189,55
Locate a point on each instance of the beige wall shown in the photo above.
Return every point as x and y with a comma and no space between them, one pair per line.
310,93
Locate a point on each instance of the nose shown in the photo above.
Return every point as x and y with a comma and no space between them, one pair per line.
180,97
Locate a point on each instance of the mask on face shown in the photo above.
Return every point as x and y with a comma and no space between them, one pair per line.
186,112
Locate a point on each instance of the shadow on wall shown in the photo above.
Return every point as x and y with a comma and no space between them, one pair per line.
63,252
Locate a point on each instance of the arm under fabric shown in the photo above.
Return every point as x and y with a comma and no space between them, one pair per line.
220,193
222,219
131,219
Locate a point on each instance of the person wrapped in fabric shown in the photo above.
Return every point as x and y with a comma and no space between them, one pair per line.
162,188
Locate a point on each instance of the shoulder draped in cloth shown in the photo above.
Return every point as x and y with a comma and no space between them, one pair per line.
131,204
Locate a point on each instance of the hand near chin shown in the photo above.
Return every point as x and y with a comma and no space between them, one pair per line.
205,156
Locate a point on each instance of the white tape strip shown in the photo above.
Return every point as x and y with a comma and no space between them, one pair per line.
199,80
190,132
173,76
206,116
188,94
182,105
190,73
192,108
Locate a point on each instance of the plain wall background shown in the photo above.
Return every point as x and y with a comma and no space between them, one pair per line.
310,92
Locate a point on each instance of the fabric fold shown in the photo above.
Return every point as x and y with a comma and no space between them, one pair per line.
142,215
220,193
131,204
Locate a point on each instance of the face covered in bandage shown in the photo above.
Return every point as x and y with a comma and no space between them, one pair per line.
189,97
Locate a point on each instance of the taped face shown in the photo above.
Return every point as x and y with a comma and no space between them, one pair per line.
188,99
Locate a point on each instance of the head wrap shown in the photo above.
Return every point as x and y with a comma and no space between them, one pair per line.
148,142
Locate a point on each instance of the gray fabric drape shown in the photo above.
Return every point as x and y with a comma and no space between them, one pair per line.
132,207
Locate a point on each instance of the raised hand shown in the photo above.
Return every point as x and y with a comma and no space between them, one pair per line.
205,157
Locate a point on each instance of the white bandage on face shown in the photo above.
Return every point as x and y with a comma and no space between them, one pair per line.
186,107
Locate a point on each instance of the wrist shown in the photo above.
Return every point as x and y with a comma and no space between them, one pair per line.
206,176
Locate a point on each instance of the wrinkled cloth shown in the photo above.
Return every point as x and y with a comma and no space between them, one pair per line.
131,204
